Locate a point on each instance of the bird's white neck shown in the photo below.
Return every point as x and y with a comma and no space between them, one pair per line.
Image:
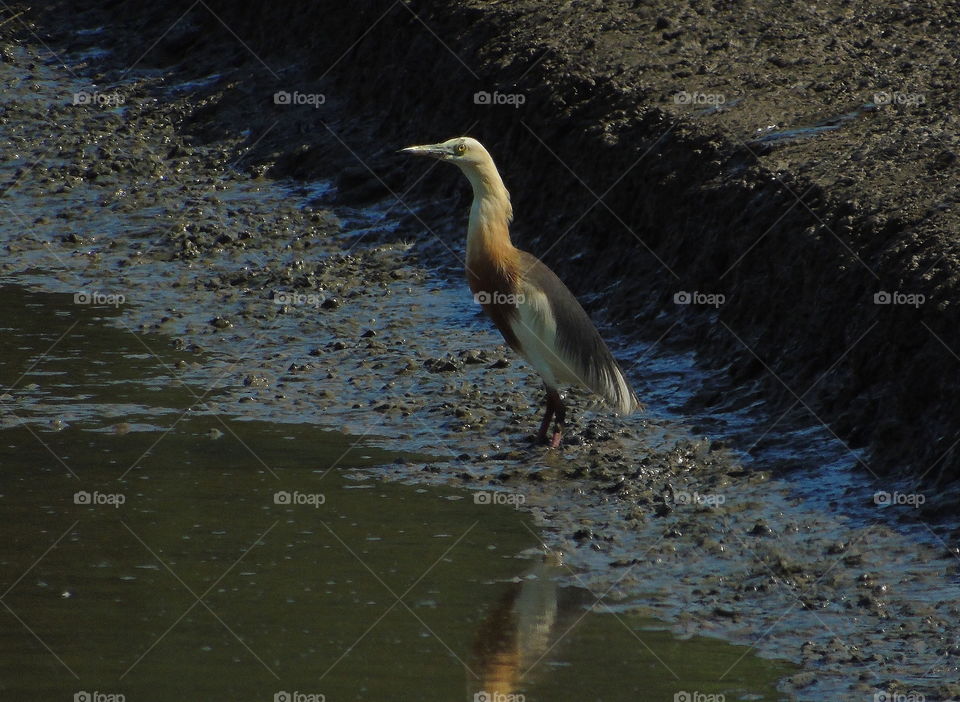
488,233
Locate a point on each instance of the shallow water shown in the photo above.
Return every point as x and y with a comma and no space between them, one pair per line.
154,549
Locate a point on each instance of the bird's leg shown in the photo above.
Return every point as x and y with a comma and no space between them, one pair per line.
547,416
560,414
556,411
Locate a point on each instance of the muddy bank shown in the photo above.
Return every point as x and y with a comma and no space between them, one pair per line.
799,162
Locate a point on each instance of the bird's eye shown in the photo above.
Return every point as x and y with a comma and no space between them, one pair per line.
461,148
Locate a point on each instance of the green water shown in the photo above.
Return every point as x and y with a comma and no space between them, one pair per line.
155,551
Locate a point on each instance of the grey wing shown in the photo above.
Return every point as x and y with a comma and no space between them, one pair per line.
578,341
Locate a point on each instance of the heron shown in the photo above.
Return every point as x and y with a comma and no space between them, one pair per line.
535,312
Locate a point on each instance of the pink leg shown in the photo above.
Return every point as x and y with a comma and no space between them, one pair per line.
554,410
560,414
545,424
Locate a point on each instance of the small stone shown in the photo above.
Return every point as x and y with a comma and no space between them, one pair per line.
440,365
760,529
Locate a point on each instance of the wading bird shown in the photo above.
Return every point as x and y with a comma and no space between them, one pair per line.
538,316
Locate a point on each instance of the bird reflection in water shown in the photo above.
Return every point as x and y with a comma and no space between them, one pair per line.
524,626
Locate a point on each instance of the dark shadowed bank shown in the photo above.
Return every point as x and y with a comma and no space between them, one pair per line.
787,173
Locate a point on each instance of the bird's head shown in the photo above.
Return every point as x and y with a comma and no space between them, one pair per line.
475,163
462,151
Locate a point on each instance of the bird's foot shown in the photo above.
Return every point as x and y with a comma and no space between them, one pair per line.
551,441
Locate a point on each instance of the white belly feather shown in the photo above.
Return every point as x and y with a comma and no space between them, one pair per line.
536,330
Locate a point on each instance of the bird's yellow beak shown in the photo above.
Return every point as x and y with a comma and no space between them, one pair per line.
434,150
